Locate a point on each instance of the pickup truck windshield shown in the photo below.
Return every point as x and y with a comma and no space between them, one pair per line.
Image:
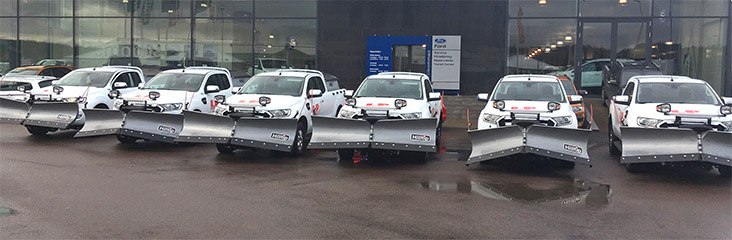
273,85
84,78
391,88
529,91
667,92
175,81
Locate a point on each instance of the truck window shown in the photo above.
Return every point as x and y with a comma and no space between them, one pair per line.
316,83
332,85
46,72
427,87
135,79
43,84
125,78
629,89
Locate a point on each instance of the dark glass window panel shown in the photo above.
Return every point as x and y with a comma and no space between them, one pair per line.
225,42
533,8
529,40
288,43
223,8
285,8
46,7
162,8
161,43
9,8
699,8
102,40
8,44
103,8
613,8
46,38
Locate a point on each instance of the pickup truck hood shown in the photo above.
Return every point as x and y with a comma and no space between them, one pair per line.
252,100
69,91
166,96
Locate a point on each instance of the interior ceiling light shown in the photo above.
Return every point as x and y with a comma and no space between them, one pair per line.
654,46
568,38
542,2
669,43
553,46
560,42
271,36
622,1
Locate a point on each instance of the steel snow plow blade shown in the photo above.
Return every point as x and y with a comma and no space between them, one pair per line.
405,134
494,143
163,127
561,143
338,133
100,122
717,147
266,133
205,128
12,111
58,115
659,145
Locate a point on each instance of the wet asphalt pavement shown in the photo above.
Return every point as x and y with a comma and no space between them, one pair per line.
60,187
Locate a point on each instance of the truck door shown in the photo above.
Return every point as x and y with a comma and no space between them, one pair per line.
320,105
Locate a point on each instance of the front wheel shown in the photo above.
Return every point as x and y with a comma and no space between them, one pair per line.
225,148
38,131
298,146
345,157
126,139
612,139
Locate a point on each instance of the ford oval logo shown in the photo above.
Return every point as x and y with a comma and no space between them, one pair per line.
440,40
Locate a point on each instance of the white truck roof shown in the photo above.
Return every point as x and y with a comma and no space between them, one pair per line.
400,75
527,77
667,78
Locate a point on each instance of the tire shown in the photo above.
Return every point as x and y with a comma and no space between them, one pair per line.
725,171
126,139
225,148
298,146
345,157
438,138
38,131
566,164
612,139
635,167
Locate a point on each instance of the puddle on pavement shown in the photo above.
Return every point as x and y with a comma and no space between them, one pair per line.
556,192
6,212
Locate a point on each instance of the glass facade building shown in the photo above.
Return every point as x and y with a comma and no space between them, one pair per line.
684,37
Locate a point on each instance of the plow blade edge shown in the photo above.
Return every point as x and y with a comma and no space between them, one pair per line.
205,128
717,147
337,133
100,122
561,143
52,114
658,145
163,127
265,133
12,111
406,134
494,143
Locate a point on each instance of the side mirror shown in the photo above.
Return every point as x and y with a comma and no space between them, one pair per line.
349,94
483,97
212,89
583,92
433,96
575,99
235,89
117,85
622,99
313,93
141,85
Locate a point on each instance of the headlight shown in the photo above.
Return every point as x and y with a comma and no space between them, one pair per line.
346,114
118,103
351,102
492,119
279,113
577,108
411,115
221,109
648,122
562,121
171,106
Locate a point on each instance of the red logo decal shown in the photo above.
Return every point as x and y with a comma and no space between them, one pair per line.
369,104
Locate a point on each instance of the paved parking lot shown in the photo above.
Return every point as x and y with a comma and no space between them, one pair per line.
60,187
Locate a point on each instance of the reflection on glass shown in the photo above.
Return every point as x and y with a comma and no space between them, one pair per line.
103,8
162,42
175,81
529,40
390,88
596,52
286,8
699,8
551,8
8,43
9,8
102,40
631,41
664,92
223,8
273,85
85,78
612,8
289,40
162,8
45,38
227,42
45,7
529,91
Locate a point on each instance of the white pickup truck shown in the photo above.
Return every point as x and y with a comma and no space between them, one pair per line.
529,114
390,111
290,95
671,119
60,106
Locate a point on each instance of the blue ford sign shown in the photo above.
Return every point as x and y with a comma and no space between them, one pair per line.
440,40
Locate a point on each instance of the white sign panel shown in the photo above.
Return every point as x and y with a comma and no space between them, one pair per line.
446,62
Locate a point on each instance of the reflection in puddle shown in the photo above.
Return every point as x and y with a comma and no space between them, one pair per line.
6,212
563,192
